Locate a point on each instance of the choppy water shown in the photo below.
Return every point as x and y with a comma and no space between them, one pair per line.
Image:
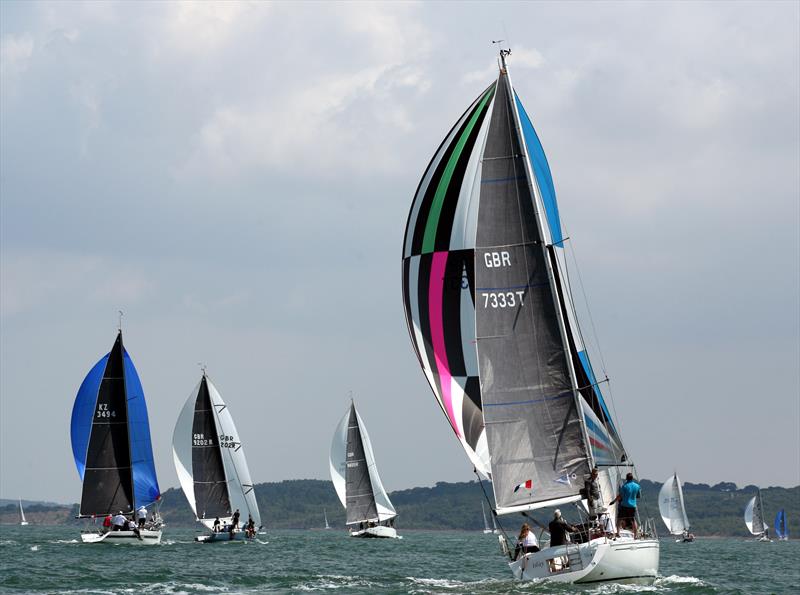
50,560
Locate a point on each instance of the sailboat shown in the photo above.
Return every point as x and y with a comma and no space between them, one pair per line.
487,530
22,520
211,466
355,477
672,508
325,514
754,518
489,310
111,446
781,528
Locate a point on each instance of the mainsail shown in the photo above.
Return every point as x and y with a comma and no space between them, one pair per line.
355,474
754,515
209,458
490,314
671,506
111,438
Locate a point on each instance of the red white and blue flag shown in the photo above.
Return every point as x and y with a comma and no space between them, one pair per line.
528,485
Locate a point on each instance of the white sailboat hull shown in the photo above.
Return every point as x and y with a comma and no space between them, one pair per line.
622,560
145,537
380,531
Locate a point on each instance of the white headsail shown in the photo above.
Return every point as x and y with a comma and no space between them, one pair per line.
671,506
754,515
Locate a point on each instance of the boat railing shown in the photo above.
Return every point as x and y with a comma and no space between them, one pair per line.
649,529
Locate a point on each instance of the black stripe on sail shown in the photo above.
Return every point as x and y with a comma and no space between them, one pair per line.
360,498
427,200
444,229
451,309
108,480
210,485
471,413
407,306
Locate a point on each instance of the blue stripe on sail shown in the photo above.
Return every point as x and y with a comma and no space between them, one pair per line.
587,367
82,413
541,170
145,483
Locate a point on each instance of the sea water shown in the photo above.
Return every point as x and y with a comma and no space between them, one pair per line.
38,559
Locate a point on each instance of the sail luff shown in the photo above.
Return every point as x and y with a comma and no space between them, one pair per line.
550,263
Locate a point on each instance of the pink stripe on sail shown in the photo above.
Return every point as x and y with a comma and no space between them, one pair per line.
435,300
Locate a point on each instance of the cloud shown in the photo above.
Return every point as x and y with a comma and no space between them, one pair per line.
32,281
15,53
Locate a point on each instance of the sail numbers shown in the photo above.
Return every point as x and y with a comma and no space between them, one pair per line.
227,441
103,411
502,299
201,440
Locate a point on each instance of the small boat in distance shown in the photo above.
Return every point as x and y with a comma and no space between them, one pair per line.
325,514
212,468
111,445
673,510
754,518
354,473
781,528
22,520
487,530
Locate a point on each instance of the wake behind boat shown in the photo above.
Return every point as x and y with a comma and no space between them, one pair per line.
490,314
355,476
212,469
111,446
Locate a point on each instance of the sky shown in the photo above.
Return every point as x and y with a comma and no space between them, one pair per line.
236,177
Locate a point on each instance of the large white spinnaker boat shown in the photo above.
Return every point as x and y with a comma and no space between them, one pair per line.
673,509
111,445
211,466
754,518
355,477
489,310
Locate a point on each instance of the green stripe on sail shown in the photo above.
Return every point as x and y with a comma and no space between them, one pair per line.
428,240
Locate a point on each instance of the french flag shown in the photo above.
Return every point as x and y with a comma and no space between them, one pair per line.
528,485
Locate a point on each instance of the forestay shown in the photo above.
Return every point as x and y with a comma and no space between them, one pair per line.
209,459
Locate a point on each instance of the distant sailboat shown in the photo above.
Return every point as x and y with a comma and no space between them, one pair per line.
672,508
325,514
211,465
754,518
111,446
781,529
22,520
487,298
487,530
355,476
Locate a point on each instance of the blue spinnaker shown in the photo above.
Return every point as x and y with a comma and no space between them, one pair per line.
82,412
541,170
145,483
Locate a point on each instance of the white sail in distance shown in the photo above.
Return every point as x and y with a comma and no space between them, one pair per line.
338,466
671,506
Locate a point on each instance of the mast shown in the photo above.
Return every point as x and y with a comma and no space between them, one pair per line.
544,234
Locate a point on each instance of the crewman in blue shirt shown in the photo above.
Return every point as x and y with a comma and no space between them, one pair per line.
629,493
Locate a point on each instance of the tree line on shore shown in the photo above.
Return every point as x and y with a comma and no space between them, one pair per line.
299,503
